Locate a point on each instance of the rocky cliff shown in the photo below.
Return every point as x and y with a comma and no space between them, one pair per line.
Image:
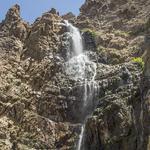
40,105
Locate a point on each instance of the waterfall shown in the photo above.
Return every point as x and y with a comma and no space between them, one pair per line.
77,45
81,138
80,68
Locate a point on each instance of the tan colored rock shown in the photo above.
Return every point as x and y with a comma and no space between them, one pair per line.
14,25
40,105
43,38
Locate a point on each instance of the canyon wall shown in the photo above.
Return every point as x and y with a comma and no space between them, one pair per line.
40,105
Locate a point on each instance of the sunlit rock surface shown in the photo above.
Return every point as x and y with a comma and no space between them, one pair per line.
40,104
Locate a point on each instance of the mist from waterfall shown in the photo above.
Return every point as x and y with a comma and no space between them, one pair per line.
78,65
80,68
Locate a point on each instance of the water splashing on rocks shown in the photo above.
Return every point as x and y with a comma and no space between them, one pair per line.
80,68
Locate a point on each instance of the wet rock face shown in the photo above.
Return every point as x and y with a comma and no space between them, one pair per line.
115,127
89,41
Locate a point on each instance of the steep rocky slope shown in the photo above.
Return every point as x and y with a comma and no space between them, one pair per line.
31,103
40,105
119,26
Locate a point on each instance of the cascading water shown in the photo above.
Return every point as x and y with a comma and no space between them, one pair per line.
81,138
80,68
76,38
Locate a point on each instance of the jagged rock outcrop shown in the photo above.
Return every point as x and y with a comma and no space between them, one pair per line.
27,122
43,37
13,25
114,14
40,105
70,17
113,124
119,29
116,25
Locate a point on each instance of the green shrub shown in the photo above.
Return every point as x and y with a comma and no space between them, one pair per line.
93,33
139,60
121,33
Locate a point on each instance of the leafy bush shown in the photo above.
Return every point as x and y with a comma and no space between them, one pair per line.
93,33
139,60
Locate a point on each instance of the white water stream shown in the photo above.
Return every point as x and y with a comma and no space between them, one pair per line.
81,138
77,45
80,68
